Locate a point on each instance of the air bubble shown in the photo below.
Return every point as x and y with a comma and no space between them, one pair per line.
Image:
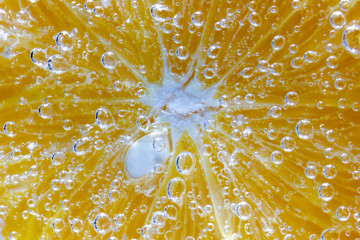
326,192
292,98
288,144
330,234
275,111
182,53
329,171
297,62
198,19
304,129
160,12
247,72
343,213
332,62
120,220
185,162
278,42
142,157
68,124
58,158
337,20
103,223
255,19
10,129
39,57
345,5
236,134
244,210
58,64
171,212
58,225
109,60
277,157
77,225
82,146
45,111
104,118
311,171
351,38
276,69
250,98
143,123
310,56
263,66
65,41
213,52
176,189
55,184
99,11
340,84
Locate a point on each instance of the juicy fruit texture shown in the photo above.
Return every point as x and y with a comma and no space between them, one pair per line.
179,119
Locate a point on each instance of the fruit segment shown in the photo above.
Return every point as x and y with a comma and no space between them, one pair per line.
179,119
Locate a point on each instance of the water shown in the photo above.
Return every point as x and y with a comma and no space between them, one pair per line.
167,119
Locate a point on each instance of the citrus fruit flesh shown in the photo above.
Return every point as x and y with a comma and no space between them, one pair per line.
179,119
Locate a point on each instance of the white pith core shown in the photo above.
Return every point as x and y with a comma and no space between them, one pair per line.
183,108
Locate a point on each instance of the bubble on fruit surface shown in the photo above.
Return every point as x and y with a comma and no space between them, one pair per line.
337,20
103,223
213,51
45,111
326,192
77,225
160,12
288,144
143,122
58,225
351,37
275,111
109,60
244,211
255,19
58,64
343,213
58,158
263,65
182,53
345,5
304,129
329,171
330,234
104,118
277,157
278,42
146,153
176,189
65,40
310,56
311,171
292,98
332,62
82,146
159,218
120,220
289,236
198,19
10,129
171,212
39,57
185,162
276,69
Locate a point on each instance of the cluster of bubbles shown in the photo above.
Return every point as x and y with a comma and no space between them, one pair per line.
275,138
